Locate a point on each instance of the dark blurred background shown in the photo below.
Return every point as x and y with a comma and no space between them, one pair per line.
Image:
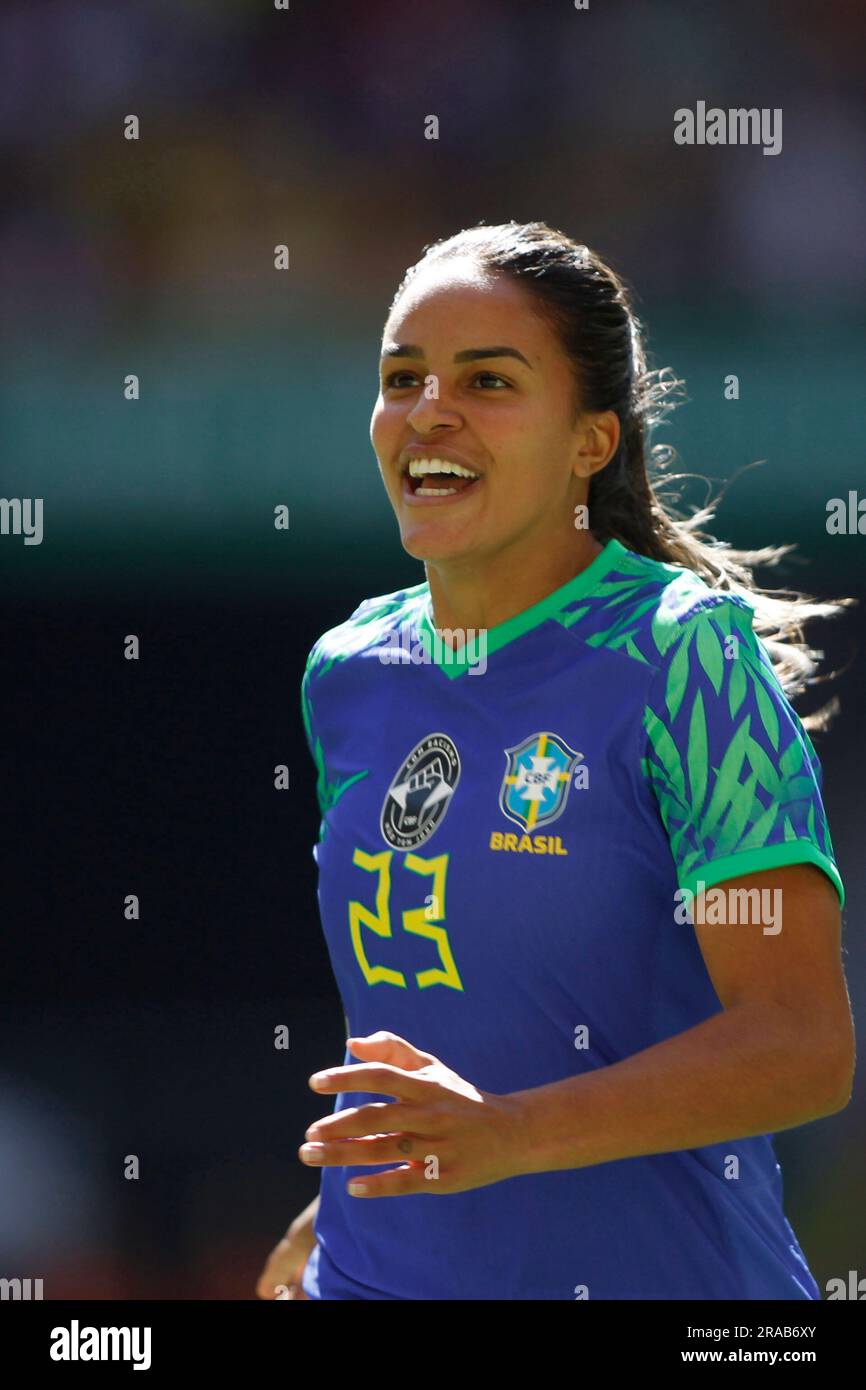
156,257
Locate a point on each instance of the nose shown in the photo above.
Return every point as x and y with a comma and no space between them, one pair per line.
427,413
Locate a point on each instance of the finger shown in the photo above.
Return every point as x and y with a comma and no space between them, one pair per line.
374,1078
360,1121
390,1047
379,1148
395,1182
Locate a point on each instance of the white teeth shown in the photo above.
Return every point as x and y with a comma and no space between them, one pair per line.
418,468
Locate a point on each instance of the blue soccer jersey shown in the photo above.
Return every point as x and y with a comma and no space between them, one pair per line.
504,842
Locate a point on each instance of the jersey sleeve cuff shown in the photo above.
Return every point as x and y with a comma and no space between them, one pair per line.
751,861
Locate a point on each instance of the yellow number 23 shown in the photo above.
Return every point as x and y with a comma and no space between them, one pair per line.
421,921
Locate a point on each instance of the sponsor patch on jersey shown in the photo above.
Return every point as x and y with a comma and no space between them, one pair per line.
537,779
420,793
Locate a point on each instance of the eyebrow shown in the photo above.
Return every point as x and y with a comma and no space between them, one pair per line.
467,355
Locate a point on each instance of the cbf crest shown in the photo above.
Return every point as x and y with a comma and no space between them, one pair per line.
537,779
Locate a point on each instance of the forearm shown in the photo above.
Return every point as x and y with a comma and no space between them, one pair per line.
744,1071
304,1220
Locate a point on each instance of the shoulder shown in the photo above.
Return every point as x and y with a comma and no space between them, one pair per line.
654,611
364,628
713,702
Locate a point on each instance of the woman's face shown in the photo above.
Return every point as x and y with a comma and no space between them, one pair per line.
470,374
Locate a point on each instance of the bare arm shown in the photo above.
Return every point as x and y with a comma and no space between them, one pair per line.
304,1220
284,1267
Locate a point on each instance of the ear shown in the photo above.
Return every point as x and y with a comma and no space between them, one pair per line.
597,438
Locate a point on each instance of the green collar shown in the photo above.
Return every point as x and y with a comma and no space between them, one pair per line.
438,651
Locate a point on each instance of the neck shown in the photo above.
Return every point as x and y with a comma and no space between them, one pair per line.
483,595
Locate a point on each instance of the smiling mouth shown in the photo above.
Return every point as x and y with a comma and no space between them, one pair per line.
439,477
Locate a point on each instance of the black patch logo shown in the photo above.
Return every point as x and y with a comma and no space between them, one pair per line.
420,794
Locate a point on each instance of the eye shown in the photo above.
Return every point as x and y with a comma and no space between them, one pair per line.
393,379
491,376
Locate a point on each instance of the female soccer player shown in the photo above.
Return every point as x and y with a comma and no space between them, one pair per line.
561,1077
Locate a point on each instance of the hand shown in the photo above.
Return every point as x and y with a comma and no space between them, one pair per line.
446,1134
284,1267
